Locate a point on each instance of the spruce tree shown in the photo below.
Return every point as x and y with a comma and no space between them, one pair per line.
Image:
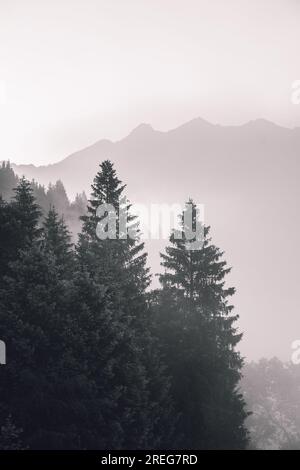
196,327
27,212
145,408
57,239
9,235
119,256
19,223
8,180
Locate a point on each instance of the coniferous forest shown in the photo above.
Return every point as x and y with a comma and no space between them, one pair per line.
149,230
97,359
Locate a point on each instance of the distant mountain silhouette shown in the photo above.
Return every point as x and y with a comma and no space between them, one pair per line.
198,151
248,178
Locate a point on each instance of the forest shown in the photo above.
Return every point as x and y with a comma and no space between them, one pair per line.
98,359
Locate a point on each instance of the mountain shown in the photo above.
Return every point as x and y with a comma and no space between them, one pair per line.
198,151
248,178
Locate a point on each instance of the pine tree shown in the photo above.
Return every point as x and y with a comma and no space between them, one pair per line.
19,226
120,264
124,255
195,323
8,180
27,213
8,235
57,239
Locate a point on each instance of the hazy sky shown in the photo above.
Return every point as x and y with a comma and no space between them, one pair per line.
75,71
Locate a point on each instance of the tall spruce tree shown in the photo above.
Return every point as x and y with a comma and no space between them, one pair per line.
19,225
195,324
122,260
145,408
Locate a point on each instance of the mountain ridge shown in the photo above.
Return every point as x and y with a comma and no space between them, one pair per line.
146,126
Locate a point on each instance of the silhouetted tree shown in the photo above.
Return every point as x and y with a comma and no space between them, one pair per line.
57,240
8,181
195,324
120,264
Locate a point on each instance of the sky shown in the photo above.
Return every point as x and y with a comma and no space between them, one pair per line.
76,71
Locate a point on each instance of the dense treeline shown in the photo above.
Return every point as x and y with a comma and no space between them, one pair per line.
55,195
95,360
272,391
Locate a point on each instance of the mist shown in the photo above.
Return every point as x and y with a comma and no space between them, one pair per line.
117,343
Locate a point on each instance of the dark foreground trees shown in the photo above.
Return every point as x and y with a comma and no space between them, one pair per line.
92,363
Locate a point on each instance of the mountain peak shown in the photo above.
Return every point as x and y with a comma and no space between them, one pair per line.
194,125
142,129
261,122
